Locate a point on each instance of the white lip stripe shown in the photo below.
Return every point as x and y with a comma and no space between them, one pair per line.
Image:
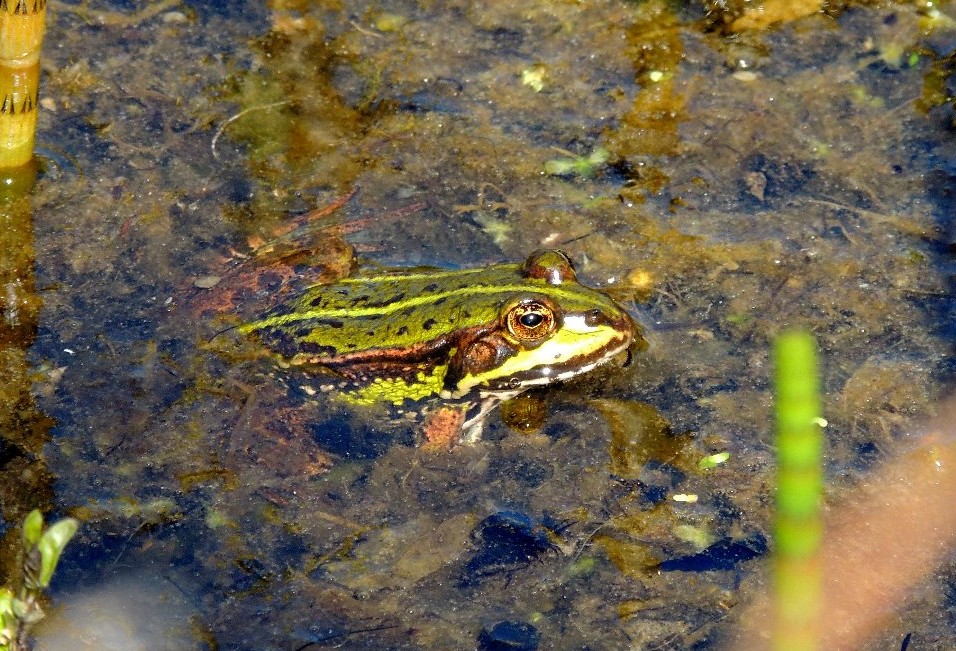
577,323
567,375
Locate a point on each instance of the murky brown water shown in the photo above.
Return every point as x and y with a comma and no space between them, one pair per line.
724,185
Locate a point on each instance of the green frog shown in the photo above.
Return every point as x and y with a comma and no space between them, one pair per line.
449,343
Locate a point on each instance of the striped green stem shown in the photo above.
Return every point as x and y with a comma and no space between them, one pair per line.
798,527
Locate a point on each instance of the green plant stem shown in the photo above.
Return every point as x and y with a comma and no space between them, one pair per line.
798,527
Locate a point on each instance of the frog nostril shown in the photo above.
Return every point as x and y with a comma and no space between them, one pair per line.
595,318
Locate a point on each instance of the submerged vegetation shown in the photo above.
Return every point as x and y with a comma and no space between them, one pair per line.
722,178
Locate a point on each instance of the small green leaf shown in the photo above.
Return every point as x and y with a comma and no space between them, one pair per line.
8,630
20,609
713,460
534,78
8,619
700,537
599,156
386,22
32,528
51,546
559,166
585,166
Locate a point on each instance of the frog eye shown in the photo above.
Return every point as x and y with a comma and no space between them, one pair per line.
552,266
531,321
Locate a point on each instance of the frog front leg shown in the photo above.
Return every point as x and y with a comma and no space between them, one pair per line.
462,423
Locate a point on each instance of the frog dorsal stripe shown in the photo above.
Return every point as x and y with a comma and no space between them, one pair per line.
320,314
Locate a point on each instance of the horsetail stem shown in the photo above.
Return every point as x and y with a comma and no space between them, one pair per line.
798,527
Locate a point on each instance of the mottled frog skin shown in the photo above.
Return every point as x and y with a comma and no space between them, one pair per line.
468,337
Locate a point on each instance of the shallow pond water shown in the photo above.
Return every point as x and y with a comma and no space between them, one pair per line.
724,180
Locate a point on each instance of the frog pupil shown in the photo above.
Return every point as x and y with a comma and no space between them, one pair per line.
531,319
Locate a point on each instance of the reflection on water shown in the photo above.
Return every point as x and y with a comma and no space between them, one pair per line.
25,482
143,611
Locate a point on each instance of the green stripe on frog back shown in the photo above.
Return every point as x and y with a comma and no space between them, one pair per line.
568,298
392,288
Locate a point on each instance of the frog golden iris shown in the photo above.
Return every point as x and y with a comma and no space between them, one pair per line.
468,338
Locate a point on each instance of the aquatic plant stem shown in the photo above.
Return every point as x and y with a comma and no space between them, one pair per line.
798,529
22,24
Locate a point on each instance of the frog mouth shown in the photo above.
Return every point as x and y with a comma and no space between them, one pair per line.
559,370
